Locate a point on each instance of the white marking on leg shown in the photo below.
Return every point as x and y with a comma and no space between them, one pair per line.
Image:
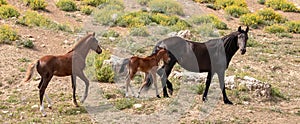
49,101
42,110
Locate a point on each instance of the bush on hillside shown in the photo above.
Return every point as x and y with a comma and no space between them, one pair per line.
66,5
205,19
36,4
205,1
104,73
139,31
251,19
32,18
7,34
143,2
269,16
8,11
225,3
293,26
86,10
275,29
166,7
108,14
236,11
283,5
3,2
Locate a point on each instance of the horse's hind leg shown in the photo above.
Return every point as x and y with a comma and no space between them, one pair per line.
73,79
143,85
43,86
86,81
168,68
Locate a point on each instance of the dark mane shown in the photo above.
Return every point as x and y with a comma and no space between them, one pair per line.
80,42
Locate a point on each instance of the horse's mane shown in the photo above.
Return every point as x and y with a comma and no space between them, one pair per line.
80,42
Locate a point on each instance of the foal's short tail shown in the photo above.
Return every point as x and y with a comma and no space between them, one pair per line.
124,63
30,71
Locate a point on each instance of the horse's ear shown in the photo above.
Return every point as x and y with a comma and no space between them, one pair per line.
94,34
240,29
247,29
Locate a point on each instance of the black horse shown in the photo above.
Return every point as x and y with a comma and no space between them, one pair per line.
212,56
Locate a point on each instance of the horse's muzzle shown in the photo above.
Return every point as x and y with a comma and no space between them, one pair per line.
243,51
99,50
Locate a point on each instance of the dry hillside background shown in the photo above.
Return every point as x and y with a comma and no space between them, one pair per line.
271,57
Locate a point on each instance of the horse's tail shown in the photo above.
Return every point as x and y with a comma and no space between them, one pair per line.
30,71
124,63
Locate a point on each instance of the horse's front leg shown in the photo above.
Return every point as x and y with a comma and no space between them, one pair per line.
73,79
87,84
207,84
222,86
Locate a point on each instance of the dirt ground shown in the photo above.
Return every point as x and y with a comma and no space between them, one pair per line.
276,62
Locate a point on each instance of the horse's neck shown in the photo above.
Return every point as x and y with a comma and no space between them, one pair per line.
230,49
82,50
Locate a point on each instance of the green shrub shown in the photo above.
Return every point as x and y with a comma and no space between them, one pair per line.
205,1
28,44
8,11
86,10
7,34
283,5
205,19
3,2
180,25
236,11
293,26
269,16
36,4
94,3
32,18
206,30
166,6
143,2
225,3
108,14
104,73
275,92
139,31
199,88
261,1
139,19
251,19
110,33
124,103
275,29
66,5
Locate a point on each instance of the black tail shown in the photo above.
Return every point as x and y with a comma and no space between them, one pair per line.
124,63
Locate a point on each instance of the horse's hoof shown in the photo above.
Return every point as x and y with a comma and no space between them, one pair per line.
157,96
204,99
228,102
44,115
171,92
166,96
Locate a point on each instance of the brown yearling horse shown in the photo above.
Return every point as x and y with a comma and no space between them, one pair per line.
70,64
148,65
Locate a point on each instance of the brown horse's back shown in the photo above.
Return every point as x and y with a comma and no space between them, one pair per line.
55,65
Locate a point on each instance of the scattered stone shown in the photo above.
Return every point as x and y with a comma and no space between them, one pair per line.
4,112
137,106
34,106
31,39
191,77
66,42
78,112
112,38
43,45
